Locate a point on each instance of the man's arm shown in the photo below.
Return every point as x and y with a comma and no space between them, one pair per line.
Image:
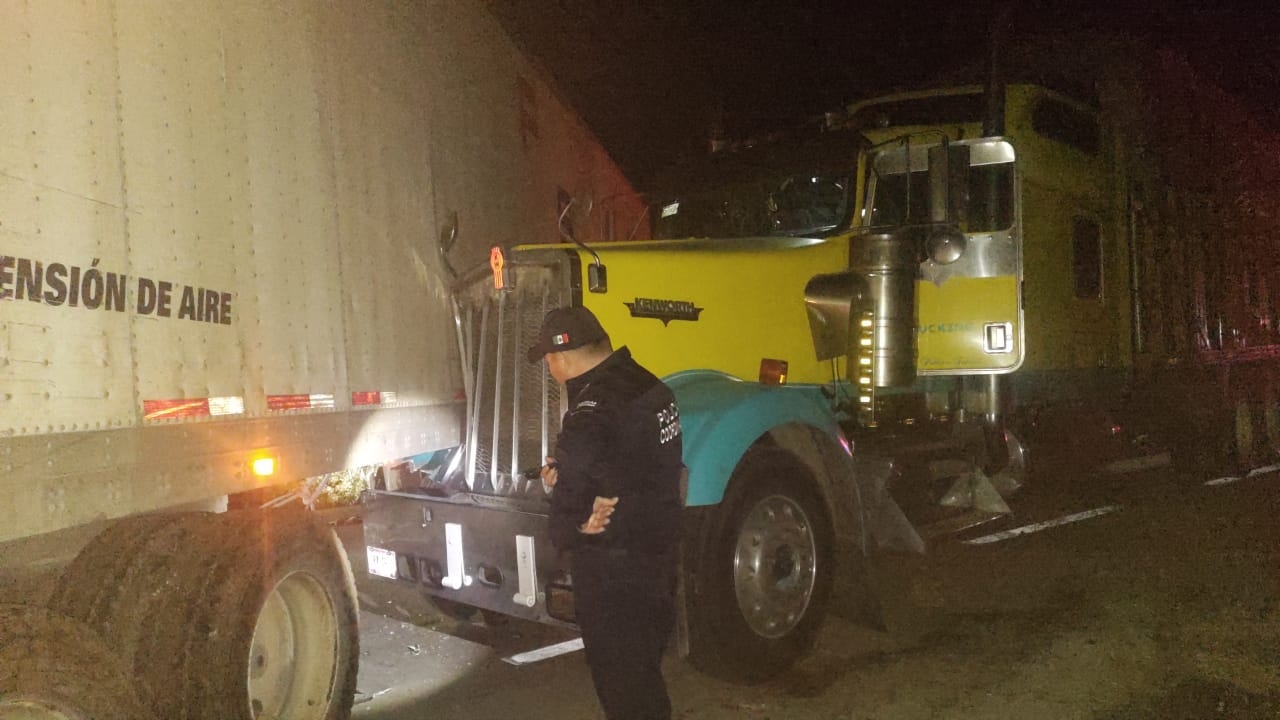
601,508
580,453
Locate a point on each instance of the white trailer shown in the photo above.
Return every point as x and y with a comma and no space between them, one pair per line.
220,271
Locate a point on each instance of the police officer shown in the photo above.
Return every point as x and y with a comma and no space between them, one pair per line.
616,505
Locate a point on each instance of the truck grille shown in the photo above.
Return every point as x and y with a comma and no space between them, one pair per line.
513,406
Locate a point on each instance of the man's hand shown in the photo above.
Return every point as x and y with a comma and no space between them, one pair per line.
601,509
550,472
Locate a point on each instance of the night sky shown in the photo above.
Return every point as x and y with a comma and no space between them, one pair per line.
652,77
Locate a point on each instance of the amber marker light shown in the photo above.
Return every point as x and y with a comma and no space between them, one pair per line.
496,263
264,466
773,372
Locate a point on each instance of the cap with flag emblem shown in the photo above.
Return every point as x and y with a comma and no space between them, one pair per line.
566,328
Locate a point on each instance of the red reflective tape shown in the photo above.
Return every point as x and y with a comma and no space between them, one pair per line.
163,409
366,398
288,402
192,407
299,401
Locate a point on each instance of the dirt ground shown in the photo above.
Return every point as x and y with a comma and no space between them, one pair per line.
1168,608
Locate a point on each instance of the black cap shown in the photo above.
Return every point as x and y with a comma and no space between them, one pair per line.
566,328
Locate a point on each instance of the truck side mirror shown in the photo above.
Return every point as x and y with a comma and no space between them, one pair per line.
949,184
597,277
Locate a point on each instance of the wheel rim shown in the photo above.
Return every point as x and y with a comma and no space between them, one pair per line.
294,656
775,566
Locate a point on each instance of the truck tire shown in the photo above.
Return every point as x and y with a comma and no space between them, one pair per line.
764,576
254,613
54,668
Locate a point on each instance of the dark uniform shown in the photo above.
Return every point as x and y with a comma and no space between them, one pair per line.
621,438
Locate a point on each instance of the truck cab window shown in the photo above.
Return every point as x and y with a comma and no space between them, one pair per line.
807,204
776,205
899,199
1056,120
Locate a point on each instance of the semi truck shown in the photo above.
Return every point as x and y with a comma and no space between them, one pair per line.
1148,268
218,275
876,327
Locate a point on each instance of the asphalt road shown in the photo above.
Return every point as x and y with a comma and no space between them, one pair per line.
1146,595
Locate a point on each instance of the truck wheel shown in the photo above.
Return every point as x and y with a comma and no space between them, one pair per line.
254,612
53,668
765,573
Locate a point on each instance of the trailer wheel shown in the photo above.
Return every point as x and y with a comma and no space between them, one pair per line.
765,575
254,613
53,668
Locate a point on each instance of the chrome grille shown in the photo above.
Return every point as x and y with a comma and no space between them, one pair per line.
513,406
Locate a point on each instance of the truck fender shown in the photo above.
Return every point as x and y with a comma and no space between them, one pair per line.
722,416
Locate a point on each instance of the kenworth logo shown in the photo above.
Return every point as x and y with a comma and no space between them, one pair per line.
664,310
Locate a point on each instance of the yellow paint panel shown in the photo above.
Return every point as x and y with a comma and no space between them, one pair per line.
751,302
953,317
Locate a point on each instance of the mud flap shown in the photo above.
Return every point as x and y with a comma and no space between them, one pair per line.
857,594
976,490
887,523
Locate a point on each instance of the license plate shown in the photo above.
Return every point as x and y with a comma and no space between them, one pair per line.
381,562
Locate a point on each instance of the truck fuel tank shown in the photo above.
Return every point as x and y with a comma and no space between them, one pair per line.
870,306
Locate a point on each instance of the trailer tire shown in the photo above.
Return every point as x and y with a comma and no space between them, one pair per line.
53,667
111,554
765,574
253,612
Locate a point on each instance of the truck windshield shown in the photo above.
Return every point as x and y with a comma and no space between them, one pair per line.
804,204
800,187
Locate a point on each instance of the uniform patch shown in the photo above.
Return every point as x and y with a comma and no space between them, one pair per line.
668,423
561,339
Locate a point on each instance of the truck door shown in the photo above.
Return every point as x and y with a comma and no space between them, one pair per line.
968,290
